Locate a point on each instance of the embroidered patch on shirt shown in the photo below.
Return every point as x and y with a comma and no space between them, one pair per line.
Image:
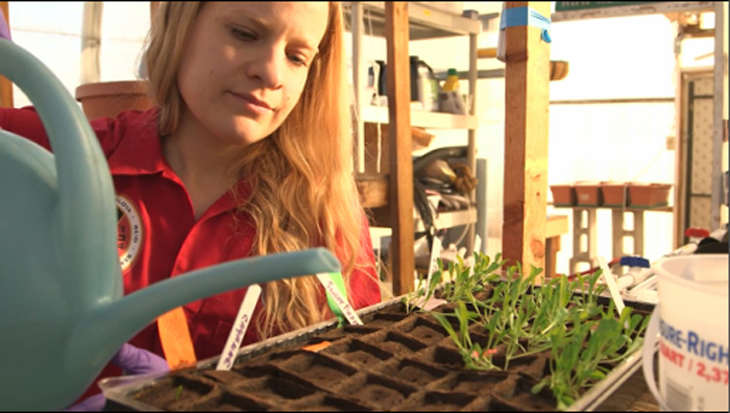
129,232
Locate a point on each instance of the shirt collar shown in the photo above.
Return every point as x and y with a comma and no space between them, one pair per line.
139,151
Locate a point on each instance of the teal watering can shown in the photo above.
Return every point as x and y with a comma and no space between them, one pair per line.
63,313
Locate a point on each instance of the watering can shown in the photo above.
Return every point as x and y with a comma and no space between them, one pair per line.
63,313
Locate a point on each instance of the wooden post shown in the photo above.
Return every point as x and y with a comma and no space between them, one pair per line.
719,115
527,79
399,133
6,86
91,42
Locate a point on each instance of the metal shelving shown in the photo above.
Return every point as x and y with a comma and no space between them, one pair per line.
424,23
423,119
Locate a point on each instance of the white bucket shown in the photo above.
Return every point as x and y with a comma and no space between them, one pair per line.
691,321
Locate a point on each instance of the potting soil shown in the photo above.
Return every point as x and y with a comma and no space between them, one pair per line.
396,361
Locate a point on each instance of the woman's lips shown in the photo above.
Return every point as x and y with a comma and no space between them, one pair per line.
253,102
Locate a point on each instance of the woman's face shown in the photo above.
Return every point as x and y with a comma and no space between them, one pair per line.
246,65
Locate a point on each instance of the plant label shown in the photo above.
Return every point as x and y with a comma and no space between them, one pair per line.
243,318
339,298
433,264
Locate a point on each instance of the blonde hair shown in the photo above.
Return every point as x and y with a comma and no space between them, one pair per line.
303,192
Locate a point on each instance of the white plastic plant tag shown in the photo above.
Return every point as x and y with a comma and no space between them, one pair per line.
433,265
470,260
342,303
612,287
430,304
243,319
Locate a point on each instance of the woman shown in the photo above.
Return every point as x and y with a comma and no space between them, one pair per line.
247,152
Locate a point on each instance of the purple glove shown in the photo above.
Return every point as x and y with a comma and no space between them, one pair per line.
4,29
132,360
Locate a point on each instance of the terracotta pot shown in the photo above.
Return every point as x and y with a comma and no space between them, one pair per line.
563,195
615,194
588,193
648,195
107,99
558,69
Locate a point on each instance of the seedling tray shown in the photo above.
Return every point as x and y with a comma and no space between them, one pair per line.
395,361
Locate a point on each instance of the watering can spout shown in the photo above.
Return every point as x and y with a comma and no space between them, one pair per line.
111,325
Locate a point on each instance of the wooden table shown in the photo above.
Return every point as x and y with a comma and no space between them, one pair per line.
588,226
555,227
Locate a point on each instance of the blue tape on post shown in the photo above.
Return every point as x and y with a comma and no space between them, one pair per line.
526,16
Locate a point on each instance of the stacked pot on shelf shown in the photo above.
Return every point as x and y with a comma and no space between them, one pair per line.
611,194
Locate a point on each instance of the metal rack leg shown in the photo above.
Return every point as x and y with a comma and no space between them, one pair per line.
620,232
583,228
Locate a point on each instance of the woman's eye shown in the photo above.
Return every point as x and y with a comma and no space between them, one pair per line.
298,60
244,35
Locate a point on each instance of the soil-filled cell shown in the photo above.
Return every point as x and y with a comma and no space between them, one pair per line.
394,343
413,372
498,405
432,401
231,402
387,319
326,403
519,392
180,389
425,331
346,331
378,391
515,364
256,358
359,353
231,376
447,356
320,370
478,382
396,311
539,367
274,390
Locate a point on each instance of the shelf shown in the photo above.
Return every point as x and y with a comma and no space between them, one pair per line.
447,219
423,119
411,21
450,219
481,74
425,22
660,208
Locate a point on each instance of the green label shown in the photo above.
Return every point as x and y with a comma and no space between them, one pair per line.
587,5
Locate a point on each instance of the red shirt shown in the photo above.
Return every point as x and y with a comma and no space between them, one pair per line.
159,237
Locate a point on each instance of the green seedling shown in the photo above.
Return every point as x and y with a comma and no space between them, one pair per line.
524,319
579,358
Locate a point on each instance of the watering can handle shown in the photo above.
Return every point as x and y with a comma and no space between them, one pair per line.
652,332
85,189
74,143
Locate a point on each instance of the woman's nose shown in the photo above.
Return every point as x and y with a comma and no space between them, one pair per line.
269,67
